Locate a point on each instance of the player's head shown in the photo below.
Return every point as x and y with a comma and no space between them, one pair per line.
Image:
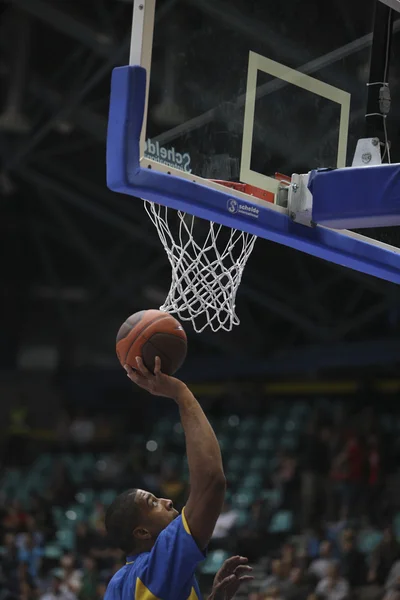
136,518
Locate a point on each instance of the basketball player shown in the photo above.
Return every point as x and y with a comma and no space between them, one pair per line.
164,548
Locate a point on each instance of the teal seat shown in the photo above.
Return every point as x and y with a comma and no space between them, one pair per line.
258,463
271,425
52,551
253,481
273,497
243,444
266,444
85,497
291,425
396,525
282,522
243,498
106,497
236,463
164,426
225,442
213,562
289,441
66,538
249,425
368,540
243,518
75,513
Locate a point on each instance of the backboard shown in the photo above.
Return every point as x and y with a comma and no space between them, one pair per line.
245,90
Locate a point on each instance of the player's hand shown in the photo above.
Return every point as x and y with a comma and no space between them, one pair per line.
233,573
156,383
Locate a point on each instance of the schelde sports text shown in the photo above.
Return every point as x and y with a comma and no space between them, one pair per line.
167,156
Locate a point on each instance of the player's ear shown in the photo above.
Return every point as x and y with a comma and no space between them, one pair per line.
140,533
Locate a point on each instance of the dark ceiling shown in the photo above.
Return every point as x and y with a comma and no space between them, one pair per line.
77,259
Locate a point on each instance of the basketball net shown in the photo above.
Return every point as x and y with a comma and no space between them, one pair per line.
207,263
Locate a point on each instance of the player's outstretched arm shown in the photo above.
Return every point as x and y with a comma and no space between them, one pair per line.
207,479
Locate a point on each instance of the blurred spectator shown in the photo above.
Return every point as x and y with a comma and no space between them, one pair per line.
278,578
285,479
315,460
72,577
353,566
320,566
355,462
90,578
81,430
374,480
30,554
58,591
172,486
333,586
299,587
83,539
383,557
224,527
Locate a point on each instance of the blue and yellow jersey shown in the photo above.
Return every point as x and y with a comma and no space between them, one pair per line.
165,573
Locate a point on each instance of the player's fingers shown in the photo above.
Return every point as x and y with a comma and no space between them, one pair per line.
142,369
129,370
137,378
234,561
246,579
243,570
222,585
157,365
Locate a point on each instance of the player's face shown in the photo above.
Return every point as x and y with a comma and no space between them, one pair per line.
158,513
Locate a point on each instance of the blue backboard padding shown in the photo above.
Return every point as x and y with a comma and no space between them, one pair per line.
125,175
357,197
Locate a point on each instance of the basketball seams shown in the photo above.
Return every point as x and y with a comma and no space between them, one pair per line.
157,318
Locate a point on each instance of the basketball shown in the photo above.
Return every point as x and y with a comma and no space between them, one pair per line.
151,333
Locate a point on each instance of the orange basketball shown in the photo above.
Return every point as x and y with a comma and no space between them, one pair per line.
151,333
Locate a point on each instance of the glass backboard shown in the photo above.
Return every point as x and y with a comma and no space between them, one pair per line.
242,90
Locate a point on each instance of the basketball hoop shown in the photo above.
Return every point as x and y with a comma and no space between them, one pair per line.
207,263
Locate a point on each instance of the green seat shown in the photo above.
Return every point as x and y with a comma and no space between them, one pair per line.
282,522
214,562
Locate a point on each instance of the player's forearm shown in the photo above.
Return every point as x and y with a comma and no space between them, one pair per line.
202,448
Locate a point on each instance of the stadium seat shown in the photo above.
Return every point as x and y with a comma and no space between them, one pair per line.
243,498
66,539
281,522
52,551
213,562
368,540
